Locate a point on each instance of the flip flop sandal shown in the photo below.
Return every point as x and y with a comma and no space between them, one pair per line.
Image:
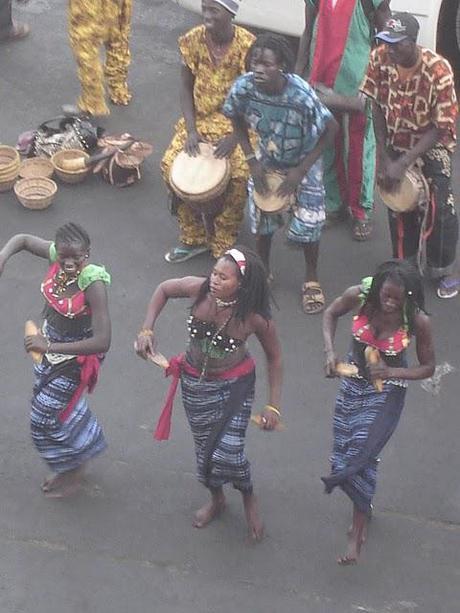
362,230
448,289
182,253
313,300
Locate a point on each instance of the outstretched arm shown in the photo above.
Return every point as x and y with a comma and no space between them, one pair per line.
24,242
268,338
187,287
347,302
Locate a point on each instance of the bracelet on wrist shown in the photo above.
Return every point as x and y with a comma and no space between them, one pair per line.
145,332
273,409
48,345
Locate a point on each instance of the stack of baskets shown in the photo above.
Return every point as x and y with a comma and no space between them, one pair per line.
9,167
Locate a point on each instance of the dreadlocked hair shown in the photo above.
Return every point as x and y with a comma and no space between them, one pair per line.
280,47
405,275
253,294
71,233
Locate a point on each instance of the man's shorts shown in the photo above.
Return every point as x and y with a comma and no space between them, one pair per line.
306,216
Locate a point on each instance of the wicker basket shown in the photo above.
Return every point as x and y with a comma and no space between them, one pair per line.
35,192
36,167
5,186
69,176
9,158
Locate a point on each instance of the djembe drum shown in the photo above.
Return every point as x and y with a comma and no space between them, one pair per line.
201,180
270,203
413,192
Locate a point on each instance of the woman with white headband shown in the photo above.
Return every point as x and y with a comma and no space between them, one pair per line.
217,374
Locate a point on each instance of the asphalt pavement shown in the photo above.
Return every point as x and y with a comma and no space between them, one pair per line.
125,544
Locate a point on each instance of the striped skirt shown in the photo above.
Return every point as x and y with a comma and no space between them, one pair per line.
364,421
218,412
63,446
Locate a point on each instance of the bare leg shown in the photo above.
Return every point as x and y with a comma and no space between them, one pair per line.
255,525
63,484
311,253
355,538
263,248
211,510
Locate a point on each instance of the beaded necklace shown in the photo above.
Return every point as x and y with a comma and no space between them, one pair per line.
61,282
214,336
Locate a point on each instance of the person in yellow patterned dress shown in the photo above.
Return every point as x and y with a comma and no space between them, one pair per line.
93,23
213,56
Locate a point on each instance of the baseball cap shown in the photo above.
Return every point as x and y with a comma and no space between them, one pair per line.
399,27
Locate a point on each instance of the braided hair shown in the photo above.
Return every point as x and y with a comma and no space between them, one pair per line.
253,294
405,275
280,47
71,233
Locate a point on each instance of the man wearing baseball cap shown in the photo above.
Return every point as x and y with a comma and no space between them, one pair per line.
415,111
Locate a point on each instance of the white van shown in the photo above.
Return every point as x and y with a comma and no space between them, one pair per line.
439,20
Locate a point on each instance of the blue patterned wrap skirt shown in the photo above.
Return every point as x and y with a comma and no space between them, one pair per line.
218,411
63,446
364,421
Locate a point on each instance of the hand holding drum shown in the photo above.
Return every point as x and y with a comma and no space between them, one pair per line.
30,329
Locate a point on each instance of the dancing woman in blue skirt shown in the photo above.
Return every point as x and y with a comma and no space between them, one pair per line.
390,313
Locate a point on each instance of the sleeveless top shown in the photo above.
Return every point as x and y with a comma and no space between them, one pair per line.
212,343
70,315
392,348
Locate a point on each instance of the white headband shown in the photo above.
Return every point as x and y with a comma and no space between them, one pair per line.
239,259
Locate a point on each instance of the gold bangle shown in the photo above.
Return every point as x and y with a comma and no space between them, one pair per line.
270,407
145,332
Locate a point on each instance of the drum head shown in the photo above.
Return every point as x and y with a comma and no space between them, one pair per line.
271,203
411,193
195,176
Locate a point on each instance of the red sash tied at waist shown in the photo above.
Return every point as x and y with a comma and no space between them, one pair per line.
177,365
90,365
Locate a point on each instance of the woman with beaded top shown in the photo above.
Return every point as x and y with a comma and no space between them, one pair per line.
217,373
370,401
73,340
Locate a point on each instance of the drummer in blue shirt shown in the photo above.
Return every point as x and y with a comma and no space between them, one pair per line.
293,128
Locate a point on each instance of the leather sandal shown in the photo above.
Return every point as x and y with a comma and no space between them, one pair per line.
313,300
361,229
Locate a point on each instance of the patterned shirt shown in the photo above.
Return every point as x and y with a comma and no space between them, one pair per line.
411,107
288,125
212,82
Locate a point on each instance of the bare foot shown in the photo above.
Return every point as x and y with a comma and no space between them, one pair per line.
63,492
64,484
255,524
356,538
209,511
52,482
